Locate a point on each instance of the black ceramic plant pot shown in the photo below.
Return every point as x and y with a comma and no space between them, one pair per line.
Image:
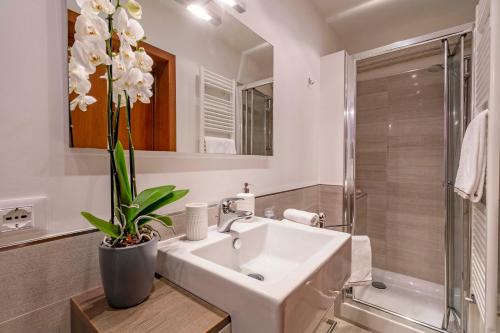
127,273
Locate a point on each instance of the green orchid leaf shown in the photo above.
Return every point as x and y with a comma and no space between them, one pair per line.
106,227
125,193
147,198
163,219
171,197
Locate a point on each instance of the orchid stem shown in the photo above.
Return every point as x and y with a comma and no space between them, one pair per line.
71,143
133,185
111,146
117,121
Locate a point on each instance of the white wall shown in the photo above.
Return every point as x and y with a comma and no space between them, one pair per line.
33,145
331,130
364,25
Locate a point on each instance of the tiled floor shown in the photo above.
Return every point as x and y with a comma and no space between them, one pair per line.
342,327
345,327
408,296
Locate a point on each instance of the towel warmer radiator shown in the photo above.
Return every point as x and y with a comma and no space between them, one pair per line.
484,220
217,107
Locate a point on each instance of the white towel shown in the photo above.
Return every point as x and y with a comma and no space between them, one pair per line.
361,261
301,216
472,167
215,145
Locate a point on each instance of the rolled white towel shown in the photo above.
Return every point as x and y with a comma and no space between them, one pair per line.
361,261
471,171
219,145
301,216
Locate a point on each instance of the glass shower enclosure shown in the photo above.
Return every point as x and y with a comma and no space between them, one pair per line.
411,111
256,129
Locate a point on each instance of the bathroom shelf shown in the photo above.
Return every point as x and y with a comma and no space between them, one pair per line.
169,308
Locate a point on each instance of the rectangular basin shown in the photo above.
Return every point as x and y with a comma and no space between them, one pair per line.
270,276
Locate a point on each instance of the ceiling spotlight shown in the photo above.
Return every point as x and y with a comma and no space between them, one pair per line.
414,76
199,12
238,5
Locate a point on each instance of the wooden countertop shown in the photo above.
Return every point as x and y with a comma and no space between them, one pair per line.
169,308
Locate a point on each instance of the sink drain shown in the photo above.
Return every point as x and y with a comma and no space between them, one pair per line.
256,276
379,285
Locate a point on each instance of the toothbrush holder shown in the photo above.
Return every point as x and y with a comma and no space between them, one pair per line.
197,221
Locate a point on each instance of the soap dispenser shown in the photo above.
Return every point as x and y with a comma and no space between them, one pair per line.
248,200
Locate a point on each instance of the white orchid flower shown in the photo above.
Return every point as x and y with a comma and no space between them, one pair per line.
120,75
129,29
82,101
133,76
144,94
127,54
143,61
119,68
90,54
78,79
96,7
134,9
138,85
80,87
120,20
134,32
91,27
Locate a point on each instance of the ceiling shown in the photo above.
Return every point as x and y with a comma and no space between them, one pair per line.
365,24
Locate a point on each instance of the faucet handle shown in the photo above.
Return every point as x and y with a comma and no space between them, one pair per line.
245,214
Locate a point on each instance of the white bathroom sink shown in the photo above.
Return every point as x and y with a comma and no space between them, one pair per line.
298,267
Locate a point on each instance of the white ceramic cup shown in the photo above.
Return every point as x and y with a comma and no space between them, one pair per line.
197,221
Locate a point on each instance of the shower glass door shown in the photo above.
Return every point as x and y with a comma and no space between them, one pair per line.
257,120
456,209
400,159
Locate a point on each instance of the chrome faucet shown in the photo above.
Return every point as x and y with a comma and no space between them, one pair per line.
228,215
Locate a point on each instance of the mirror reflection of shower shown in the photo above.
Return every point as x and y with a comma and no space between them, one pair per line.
256,130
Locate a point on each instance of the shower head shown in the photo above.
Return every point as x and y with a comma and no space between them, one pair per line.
435,68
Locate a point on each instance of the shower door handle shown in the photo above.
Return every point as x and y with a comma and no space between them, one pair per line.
471,299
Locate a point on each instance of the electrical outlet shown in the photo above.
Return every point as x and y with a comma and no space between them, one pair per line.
17,218
21,214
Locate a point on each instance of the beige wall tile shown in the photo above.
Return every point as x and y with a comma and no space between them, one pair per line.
331,203
371,86
399,164
374,100
361,215
374,115
34,276
54,318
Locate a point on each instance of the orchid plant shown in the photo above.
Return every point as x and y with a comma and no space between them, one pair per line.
129,80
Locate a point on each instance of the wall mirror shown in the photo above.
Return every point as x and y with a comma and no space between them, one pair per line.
213,89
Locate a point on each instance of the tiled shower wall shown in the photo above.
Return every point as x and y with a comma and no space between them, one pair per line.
399,164
37,281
